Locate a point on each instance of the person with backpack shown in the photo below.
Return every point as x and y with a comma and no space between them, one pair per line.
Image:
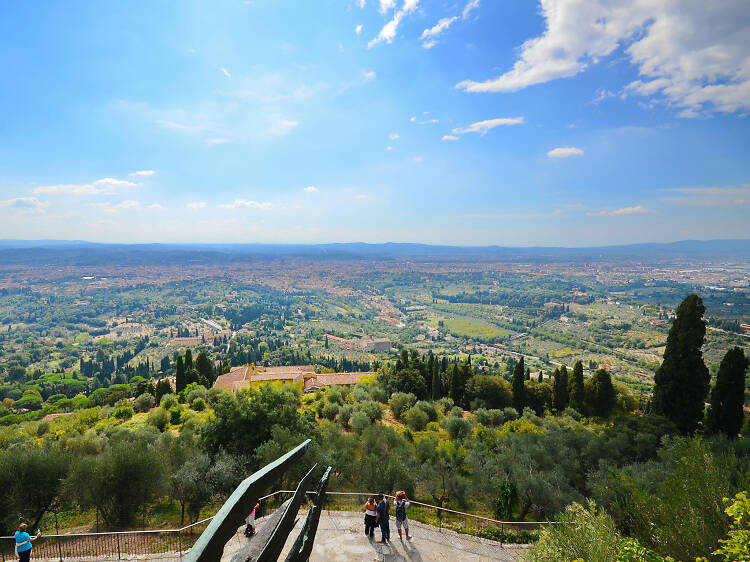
23,542
250,522
370,516
382,519
400,504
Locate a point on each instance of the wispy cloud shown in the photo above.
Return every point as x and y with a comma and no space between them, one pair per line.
104,186
216,141
450,138
514,216
31,204
565,152
482,127
225,72
394,136
386,6
368,75
311,189
623,211
107,207
724,196
282,126
429,35
388,32
246,204
196,205
358,29
471,5
142,173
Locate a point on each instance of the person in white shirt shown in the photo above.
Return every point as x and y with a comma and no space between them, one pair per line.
400,504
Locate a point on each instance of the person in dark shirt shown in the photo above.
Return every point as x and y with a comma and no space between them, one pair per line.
382,519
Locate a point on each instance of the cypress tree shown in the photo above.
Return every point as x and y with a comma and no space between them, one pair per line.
180,382
575,386
682,381
600,394
519,390
188,359
437,387
560,389
540,378
728,395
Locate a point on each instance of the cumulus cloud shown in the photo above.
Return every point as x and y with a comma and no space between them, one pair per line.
24,204
691,54
311,189
225,72
386,6
450,138
195,205
388,32
142,173
104,186
429,35
358,29
482,127
471,5
245,204
724,196
565,152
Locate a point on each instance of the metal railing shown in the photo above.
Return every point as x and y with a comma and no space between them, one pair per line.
175,543
123,545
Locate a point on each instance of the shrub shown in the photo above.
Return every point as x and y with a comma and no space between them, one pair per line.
457,412
175,415
400,402
144,402
457,428
123,413
489,418
737,544
416,419
510,413
433,426
159,418
198,405
345,414
168,401
428,408
196,393
330,410
373,409
360,421
445,403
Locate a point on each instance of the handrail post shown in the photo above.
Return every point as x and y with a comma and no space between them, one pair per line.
179,540
118,547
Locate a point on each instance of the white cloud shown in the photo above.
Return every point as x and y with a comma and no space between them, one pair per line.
24,204
389,148
386,6
692,54
725,196
155,207
282,126
225,72
195,205
368,75
388,32
108,207
514,216
623,211
450,138
245,204
394,136
358,29
361,3
142,173
104,186
418,159
216,141
471,5
565,152
429,35
482,127
412,119
602,94
361,196
311,189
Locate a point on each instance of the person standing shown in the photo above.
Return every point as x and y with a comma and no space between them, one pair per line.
370,516
250,522
382,519
23,542
400,504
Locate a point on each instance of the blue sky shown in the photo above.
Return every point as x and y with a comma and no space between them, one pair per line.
467,122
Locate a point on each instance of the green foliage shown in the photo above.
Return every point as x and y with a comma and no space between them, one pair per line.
199,404
681,383
519,388
576,387
123,413
168,401
144,402
728,395
737,544
400,402
489,418
360,421
561,392
457,428
159,418
372,409
632,551
416,419
600,394
486,391
584,533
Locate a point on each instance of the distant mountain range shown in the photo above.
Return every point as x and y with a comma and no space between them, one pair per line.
77,252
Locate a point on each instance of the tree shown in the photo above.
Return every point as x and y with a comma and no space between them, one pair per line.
600,394
205,369
727,397
188,359
437,385
682,381
458,375
487,391
190,487
162,387
575,385
519,390
560,389
180,381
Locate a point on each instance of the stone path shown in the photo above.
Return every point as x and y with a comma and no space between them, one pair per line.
341,537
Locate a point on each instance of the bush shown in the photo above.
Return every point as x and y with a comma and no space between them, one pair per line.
489,418
457,412
433,426
168,401
345,414
144,402
360,421
175,415
123,413
428,408
198,405
400,402
416,419
330,410
584,533
373,410
445,404
457,428
159,418
510,413
197,392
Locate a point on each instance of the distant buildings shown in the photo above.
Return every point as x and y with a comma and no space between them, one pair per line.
303,375
367,343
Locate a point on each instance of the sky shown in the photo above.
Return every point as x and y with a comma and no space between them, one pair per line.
471,122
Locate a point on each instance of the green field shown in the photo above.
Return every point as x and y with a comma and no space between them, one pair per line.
472,329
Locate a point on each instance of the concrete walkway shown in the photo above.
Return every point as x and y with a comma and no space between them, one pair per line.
341,537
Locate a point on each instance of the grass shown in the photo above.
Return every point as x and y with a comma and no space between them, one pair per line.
472,329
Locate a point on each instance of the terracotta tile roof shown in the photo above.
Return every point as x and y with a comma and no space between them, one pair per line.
328,379
236,378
